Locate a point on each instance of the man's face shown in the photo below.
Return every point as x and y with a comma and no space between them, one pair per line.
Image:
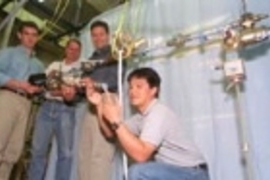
28,37
72,51
140,93
100,37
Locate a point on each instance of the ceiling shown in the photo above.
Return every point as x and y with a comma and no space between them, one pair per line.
59,19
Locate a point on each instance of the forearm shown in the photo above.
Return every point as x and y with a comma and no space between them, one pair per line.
12,84
105,129
132,145
103,126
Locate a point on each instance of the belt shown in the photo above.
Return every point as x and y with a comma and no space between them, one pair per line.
23,94
61,102
202,167
54,100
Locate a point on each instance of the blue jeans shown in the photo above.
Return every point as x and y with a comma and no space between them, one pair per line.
54,119
162,171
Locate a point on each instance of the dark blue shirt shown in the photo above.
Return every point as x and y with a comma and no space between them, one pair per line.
106,74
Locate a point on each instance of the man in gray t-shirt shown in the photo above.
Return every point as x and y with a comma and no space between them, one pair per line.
160,127
154,137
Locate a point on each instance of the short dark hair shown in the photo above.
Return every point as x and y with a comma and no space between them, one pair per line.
75,41
101,24
149,74
30,24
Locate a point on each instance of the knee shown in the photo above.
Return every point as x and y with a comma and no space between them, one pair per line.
11,157
65,153
38,150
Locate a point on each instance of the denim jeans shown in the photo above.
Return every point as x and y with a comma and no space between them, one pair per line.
54,119
162,171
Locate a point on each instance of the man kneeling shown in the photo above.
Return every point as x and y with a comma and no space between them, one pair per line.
154,137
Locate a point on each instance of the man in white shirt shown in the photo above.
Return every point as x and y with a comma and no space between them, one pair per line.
56,117
155,138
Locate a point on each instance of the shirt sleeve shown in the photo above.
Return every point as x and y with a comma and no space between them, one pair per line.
107,74
41,67
154,128
51,67
4,65
133,125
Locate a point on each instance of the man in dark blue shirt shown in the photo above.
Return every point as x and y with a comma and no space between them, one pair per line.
16,65
95,150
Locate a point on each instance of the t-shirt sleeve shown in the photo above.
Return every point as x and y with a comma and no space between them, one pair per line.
51,67
154,129
133,125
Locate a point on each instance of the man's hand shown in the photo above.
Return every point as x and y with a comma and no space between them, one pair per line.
28,88
68,92
111,108
93,96
87,82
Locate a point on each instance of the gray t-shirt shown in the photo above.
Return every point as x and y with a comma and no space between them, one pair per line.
159,126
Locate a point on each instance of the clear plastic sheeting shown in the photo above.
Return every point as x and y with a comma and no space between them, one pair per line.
192,86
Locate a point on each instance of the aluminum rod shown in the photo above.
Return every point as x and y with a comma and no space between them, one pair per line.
245,150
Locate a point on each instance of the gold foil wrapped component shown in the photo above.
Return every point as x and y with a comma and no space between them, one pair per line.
125,43
234,40
54,80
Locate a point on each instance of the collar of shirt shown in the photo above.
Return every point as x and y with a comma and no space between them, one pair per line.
102,51
71,68
63,63
150,107
23,50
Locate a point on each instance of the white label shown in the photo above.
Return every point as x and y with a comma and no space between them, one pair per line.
234,68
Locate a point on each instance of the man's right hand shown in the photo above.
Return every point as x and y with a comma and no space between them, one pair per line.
28,88
94,97
87,82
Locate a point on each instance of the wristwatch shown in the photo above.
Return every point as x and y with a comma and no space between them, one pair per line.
116,125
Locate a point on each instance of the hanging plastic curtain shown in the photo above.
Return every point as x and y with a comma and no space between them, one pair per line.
192,86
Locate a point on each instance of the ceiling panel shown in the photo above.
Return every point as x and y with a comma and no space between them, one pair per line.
63,17
103,5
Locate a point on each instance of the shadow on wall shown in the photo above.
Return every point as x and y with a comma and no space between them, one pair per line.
254,52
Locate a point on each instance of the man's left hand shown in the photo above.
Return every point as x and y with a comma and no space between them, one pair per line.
111,108
68,92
